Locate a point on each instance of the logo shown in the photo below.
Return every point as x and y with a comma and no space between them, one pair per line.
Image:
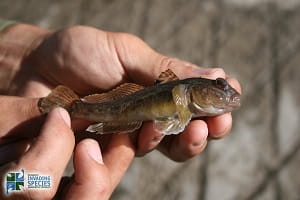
16,181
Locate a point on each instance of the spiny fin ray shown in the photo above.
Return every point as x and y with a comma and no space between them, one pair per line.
123,90
166,76
61,96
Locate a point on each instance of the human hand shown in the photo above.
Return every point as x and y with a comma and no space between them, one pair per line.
96,174
89,60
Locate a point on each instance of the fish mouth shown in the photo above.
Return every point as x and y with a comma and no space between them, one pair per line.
207,110
235,101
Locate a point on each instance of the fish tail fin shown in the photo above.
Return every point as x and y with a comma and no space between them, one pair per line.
61,96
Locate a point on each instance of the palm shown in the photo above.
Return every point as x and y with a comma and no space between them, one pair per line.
82,60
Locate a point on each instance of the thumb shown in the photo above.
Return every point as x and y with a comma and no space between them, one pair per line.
92,179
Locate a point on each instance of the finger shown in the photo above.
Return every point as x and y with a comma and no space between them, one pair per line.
51,151
13,151
219,126
187,144
118,156
148,139
21,117
143,65
184,69
92,178
234,83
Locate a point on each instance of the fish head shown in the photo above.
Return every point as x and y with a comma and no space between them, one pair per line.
215,97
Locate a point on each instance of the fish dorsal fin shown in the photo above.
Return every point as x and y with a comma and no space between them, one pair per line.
61,96
121,91
166,76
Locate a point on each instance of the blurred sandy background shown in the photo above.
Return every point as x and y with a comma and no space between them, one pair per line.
256,41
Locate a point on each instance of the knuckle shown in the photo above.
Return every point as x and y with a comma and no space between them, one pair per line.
219,72
181,68
103,189
167,63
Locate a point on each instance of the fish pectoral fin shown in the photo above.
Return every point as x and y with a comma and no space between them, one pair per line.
114,127
123,90
166,76
169,126
181,101
61,96
177,123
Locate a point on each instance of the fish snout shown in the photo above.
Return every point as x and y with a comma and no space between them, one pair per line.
235,101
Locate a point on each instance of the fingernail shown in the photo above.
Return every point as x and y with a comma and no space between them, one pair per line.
93,150
225,131
158,138
65,116
219,134
199,143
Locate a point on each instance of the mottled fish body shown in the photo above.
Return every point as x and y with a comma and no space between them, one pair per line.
171,103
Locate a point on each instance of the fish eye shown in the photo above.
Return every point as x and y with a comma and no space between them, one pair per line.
221,83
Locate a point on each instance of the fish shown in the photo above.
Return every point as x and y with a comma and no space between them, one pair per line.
170,103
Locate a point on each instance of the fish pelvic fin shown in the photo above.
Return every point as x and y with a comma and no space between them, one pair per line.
61,96
114,127
166,76
169,126
123,90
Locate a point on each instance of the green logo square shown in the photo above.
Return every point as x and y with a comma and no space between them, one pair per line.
11,177
18,184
